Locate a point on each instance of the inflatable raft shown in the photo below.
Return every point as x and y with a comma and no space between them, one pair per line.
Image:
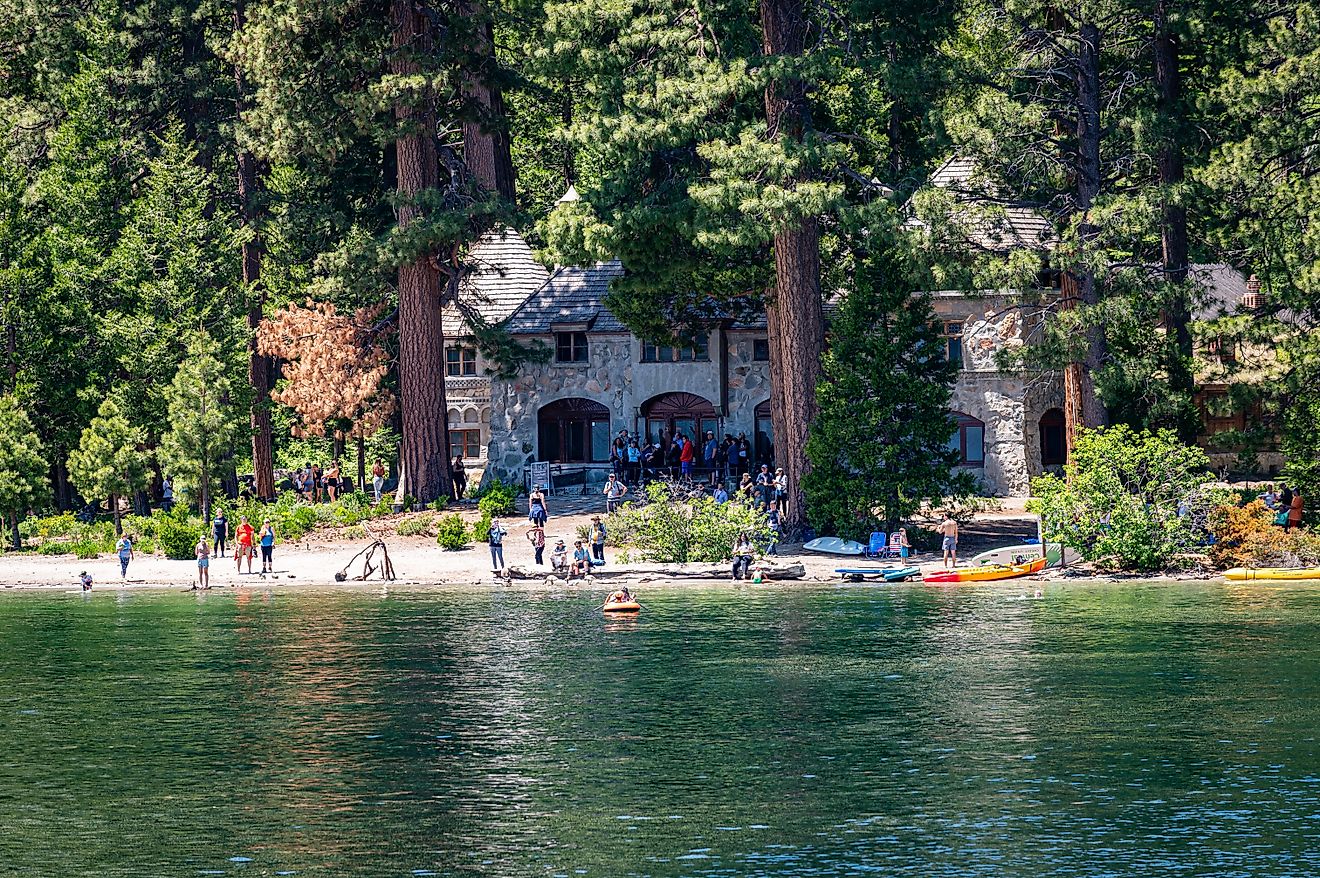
622,607
1251,574
988,573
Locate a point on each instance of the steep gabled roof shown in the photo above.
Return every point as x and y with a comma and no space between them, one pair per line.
996,227
573,295
504,273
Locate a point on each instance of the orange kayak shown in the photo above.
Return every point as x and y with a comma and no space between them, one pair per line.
622,607
988,573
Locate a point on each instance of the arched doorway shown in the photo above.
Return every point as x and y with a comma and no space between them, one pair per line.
574,430
684,413
968,440
1053,444
765,434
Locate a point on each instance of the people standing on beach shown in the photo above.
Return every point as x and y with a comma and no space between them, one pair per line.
710,454
124,549
267,540
458,475
772,521
904,545
1295,510
537,511
536,536
634,463
220,534
948,529
597,538
614,491
332,481
496,540
378,479
765,487
203,551
244,537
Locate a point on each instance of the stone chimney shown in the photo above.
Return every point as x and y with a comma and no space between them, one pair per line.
1253,299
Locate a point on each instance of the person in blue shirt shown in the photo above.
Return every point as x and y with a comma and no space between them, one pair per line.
267,540
710,455
124,548
496,540
581,561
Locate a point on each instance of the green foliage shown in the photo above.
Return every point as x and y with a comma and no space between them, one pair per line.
108,461
440,504
203,424
481,527
451,533
672,531
1121,496
415,526
879,445
22,467
177,537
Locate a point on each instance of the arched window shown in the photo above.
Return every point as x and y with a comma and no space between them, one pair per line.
1053,446
574,430
968,440
765,434
684,413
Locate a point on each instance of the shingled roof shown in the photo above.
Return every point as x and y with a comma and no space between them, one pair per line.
505,272
998,227
574,295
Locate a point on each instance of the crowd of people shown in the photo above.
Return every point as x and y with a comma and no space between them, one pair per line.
713,461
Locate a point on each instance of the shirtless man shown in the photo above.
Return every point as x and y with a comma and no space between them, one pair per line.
948,529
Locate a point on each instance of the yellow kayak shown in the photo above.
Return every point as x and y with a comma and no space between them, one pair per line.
988,573
1248,574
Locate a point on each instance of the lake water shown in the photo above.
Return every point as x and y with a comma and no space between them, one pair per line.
1094,731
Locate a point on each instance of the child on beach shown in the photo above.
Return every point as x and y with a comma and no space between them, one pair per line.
86,579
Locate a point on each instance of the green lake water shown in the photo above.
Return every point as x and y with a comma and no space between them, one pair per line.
1093,731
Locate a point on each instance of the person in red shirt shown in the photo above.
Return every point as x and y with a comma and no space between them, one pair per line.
244,535
686,457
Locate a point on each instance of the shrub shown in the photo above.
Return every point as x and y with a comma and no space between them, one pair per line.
415,526
451,533
481,528
384,507
177,538
61,525
87,550
1246,536
1129,500
355,532
672,531
439,504
498,498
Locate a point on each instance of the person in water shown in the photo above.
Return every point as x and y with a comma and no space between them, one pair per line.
86,579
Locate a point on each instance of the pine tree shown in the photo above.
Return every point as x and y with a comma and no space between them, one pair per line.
109,461
880,443
22,466
203,424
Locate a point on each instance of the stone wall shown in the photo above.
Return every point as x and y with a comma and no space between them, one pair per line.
615,377
1009,403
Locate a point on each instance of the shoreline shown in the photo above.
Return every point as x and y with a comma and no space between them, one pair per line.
313,561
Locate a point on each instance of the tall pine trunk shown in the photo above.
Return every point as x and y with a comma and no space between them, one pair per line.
1082,406
486,149
425,451
1173,219
795,321
250,173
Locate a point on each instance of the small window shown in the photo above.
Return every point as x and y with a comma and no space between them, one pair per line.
952,333
571,347
465,442
460,362
968,440
698,352
761,350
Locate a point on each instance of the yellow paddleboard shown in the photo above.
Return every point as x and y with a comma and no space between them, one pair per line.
1247,574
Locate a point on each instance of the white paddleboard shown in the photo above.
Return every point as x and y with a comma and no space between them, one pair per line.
1008,555
834,546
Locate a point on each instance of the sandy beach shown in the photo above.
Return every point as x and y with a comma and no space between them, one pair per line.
315,559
